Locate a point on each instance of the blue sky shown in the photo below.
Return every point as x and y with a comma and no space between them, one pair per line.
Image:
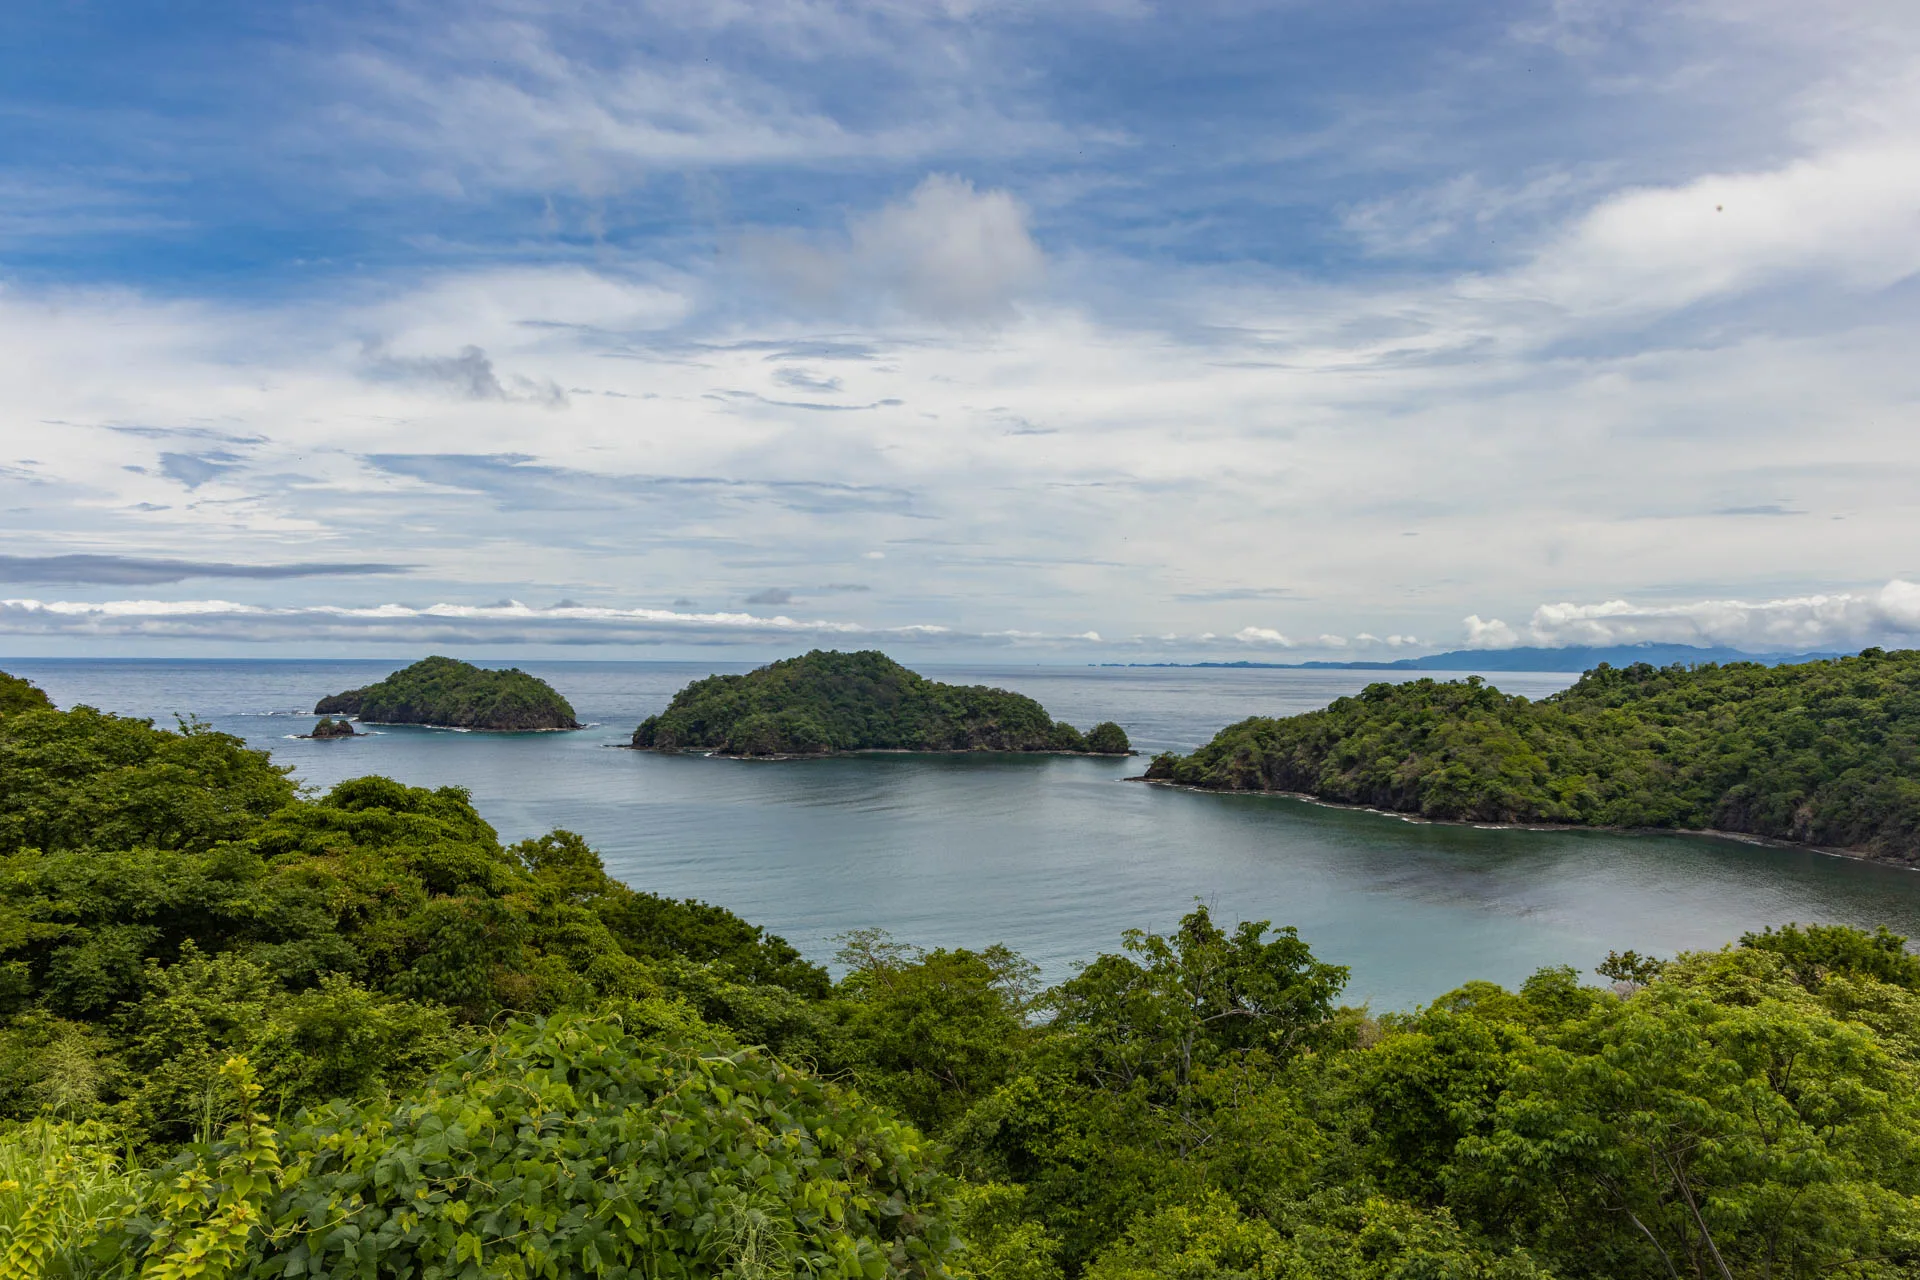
1067,330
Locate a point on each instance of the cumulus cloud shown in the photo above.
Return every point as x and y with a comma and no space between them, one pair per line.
1262,636
1891,614
1199,405
1392,642
1845,215
946,252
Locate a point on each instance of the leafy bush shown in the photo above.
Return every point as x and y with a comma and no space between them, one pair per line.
21,695
568,1147
63,1188
81,779
340,942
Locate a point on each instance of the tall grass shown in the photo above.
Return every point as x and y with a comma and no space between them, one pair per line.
61,1185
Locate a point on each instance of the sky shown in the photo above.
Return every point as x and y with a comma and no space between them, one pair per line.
1102,330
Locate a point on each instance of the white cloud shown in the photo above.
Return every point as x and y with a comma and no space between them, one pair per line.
590,100
945,252
1849,216
1262,635
1841,619
229,619
515,307
1493,634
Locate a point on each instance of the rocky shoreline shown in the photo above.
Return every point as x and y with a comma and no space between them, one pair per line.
873,751
1737,837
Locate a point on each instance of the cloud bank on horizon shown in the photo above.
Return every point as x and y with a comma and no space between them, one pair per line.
1130,328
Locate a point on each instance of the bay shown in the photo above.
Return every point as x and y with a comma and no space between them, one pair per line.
1054,856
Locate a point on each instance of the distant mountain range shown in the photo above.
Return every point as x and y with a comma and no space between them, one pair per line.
1526,658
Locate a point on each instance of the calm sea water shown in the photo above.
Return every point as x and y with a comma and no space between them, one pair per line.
1053,856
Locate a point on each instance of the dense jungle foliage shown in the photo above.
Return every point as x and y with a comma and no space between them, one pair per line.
1825,753
827,701
455,694
248,1031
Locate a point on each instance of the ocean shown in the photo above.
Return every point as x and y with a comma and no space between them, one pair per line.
1053,855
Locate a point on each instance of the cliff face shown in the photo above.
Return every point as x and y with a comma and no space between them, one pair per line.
445,692
827,701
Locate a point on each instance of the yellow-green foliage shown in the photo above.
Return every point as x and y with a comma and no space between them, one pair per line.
62,1187
564,1148
21,695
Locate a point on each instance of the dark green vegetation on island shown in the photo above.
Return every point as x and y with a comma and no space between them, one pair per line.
456,695
827,701
246,1032
328,727
1824,753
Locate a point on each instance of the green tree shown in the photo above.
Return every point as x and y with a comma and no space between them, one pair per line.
1817,951
83,780
1680,1134
1175,1004
21,695
1824,752
931,1033
567,1146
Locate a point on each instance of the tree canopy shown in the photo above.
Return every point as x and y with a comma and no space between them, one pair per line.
1824,753
267,1034
454,694
827,701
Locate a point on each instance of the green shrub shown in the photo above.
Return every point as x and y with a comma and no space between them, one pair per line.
569,1147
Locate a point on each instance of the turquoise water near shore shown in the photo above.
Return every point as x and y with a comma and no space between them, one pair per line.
1052,855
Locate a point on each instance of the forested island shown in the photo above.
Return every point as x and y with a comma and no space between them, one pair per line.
250,1032
826,701
1825,753
448,693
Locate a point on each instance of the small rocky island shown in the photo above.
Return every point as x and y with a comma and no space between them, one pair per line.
328,727
826,701
446,693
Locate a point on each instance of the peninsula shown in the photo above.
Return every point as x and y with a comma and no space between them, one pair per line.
447,693
1823,753
826,701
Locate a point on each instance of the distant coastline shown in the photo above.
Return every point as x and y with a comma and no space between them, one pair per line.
1525,658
